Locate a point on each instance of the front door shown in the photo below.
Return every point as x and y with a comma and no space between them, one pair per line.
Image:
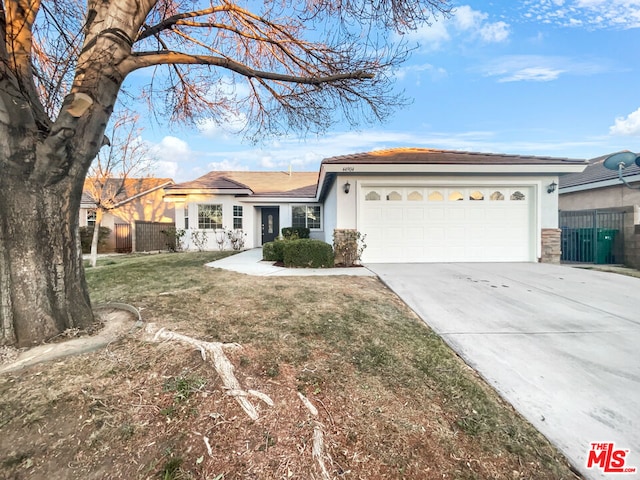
270,224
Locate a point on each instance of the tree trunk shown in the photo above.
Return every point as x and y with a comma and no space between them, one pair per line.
42,286
95,237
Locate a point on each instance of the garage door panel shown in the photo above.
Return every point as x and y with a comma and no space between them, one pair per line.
439,228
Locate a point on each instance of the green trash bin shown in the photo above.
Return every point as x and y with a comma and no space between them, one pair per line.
604,245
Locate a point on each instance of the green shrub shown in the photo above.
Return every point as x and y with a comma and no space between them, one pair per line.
273,251
307,253
86,236
294,233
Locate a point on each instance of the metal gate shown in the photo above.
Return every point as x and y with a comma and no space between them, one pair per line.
592,236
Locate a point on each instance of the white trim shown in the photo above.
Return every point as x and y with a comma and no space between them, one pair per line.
275,200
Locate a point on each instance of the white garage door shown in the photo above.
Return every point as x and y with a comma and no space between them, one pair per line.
448,224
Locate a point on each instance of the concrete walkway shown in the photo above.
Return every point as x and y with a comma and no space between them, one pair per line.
250,262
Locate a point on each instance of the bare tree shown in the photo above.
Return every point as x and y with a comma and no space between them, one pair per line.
63,63
126,157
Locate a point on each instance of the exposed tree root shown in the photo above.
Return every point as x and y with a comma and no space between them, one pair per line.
224,367
220,362
318,450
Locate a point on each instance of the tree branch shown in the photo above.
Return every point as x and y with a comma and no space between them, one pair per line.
148,59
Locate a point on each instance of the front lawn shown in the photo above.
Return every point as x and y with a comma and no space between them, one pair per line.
392,400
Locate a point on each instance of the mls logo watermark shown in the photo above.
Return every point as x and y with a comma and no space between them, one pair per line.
609,459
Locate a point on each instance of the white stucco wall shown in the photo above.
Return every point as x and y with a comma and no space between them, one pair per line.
329,212
227,202
252,218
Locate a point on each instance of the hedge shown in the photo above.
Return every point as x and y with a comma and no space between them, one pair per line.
307,253
273,251
293,233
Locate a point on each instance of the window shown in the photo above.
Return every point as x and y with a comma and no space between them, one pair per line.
435,196
306,216
91,217
476,195
394,196
209,217
186,217
372,196
517,195
497,195
455,196
237,217
415,196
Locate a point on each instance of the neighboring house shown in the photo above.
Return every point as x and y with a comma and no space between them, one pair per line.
141,199
414,205
599,189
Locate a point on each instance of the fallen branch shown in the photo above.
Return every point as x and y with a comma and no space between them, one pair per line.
224,367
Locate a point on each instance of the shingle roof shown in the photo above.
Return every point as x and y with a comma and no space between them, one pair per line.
595,172
434,156
131,188
281,184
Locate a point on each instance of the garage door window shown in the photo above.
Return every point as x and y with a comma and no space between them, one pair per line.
415,196
455,196
476,195
394,196
435,196
372,196
497,195
517,196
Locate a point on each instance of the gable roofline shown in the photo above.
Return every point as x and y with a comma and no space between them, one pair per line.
266,184
430,156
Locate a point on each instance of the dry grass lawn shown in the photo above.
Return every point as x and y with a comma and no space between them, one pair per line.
393,401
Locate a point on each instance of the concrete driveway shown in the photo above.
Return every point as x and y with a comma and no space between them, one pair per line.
561,344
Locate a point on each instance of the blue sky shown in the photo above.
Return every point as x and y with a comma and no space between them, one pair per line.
534,77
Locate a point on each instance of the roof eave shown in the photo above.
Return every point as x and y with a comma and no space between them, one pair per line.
613,182
523,169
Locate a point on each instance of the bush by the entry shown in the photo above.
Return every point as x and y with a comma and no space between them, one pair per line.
307,253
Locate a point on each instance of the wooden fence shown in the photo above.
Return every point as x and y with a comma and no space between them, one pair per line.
142,236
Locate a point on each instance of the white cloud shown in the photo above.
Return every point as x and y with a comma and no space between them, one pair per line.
538,68
496,32
171,148
430,37
464,23
627,126
164,169
228,165
232,124
435,73
586,13
533,74
466,18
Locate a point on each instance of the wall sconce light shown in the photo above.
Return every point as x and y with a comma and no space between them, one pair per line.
346,187
552,187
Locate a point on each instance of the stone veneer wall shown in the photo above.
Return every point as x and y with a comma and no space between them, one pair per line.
551,245
338,236
631,238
